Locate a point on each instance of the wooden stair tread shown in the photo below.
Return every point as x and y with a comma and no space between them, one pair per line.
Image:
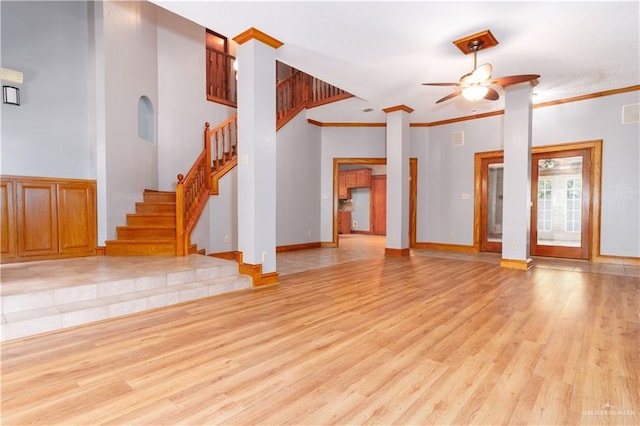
142,241
151,214
150,230
146,227
155,191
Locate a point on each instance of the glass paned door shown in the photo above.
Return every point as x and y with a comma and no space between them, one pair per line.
491,204
559,225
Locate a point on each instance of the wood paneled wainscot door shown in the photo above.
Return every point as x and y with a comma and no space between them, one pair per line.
45,218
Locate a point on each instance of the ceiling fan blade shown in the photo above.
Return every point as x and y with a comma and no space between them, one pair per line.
464,80
491,95
513,79
441,84
482,73
446,98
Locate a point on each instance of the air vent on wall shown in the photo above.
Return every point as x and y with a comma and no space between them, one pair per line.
630,113
458,138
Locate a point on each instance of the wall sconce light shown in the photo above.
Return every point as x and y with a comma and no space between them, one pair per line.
10,95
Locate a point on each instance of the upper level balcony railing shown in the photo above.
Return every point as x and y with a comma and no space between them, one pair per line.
221,78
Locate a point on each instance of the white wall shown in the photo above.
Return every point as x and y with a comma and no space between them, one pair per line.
297,192
445,172
601,118
298,183
48,134
130,72
223,215
183,110
361,209
344,142
183,106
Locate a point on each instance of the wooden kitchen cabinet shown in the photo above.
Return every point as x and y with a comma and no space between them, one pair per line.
348,179
343,191
344,222
363,178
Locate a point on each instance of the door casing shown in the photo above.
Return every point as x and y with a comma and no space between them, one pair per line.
594,148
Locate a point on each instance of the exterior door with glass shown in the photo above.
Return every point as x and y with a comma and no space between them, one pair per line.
560,204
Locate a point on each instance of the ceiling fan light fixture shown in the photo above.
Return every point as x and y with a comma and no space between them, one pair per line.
475,93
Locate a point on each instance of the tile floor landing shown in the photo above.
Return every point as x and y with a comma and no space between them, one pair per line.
43,296
70,292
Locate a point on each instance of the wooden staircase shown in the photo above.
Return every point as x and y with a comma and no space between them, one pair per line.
150,231
163,222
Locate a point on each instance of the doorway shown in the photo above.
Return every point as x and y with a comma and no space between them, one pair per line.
560,204
413,175
565,200
491,204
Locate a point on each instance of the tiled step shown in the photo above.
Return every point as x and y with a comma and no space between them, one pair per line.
77,303
145,232
141,247
151,219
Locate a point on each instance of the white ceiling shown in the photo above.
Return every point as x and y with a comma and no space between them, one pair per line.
381,51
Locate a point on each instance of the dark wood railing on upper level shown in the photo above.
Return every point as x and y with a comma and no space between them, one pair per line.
299,91
220,152
221,77
321,93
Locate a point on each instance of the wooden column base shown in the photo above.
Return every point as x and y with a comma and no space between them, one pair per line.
397,252
522,265
255,272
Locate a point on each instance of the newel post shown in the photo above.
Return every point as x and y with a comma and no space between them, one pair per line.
180,243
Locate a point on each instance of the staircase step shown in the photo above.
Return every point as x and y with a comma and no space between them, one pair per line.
159,196
151,219
155,208
146,232
149,247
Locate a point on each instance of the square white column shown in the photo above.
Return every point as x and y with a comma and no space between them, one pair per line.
257,149
516,215
398,180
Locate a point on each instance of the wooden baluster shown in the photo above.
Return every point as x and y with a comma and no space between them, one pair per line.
207,161
180,216
229,152
222,138
217,153
235,136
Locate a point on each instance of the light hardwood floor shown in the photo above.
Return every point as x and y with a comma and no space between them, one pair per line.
413,340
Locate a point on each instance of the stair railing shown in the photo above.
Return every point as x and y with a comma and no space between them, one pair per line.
300,91
193,190
224,138
321,93
220,153
292,95
192,194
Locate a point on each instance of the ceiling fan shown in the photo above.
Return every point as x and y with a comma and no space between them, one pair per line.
477,84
